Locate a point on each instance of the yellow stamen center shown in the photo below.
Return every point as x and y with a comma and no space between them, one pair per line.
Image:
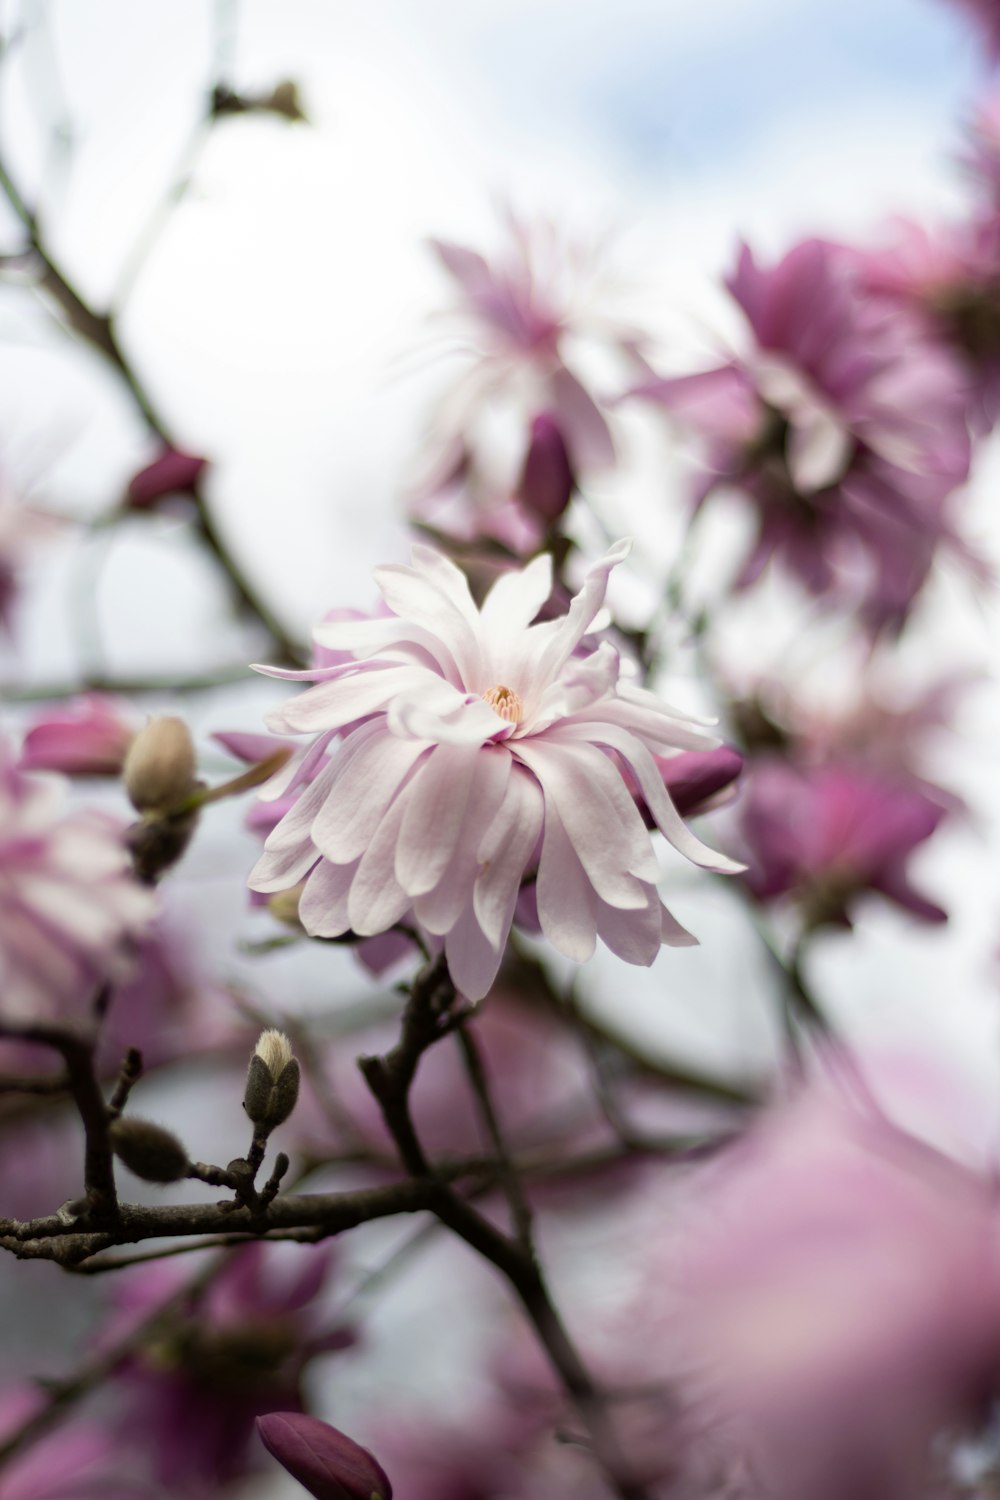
505,702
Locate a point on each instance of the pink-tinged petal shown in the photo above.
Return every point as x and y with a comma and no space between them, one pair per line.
250,748
599,817
665,815
418,599
468,267
658,731
304,674
582,423
566,899
701,779
331,705
504,854
635,936
280,869
435,813
672,934
447,578
515,599
819,451
323,905
554,642
392,639
473,962
295,825
300,768
361,793
443,714
437,909
88,739
377,900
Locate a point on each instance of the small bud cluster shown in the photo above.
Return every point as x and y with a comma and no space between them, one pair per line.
272,1081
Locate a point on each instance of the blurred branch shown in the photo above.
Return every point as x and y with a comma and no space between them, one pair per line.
99,330
124,687
432,1011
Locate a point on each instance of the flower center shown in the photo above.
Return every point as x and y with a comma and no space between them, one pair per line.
504,702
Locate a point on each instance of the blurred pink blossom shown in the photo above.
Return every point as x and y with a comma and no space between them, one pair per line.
481,742
79,1462
527,325
845,426
826,834
949,277
223,1357
89,737
69,906
837,1301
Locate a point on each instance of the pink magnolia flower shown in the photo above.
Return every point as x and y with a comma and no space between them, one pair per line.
949,277
521,423
69,906
86,738
838,1301
844,426
826,834
483,748
190,1397
80,1461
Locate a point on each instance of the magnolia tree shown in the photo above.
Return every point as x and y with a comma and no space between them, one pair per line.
694,1282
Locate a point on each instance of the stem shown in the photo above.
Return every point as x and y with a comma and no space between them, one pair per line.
426,1018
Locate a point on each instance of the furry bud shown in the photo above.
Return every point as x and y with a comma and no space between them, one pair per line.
159,770
152,1153
272,1081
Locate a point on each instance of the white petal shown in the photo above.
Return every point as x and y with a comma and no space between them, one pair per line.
504,854
601,820
377,900
566,900
472,961
436,803
331,705
363,789
667,818
323,903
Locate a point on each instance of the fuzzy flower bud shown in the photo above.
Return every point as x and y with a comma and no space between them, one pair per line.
272,1081
328,1464
159,770
152,1153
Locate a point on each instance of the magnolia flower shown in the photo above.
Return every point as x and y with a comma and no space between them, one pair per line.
482,748
69,906
521,424
844,425
827,834
837,1300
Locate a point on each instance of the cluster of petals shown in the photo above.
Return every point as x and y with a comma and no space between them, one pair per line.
190,1396
70,909
844,425
826,834
838,1300
479,748
526,325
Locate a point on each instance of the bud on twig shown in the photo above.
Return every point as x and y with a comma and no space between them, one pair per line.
152,1153
327,1463
272,1081
159,770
